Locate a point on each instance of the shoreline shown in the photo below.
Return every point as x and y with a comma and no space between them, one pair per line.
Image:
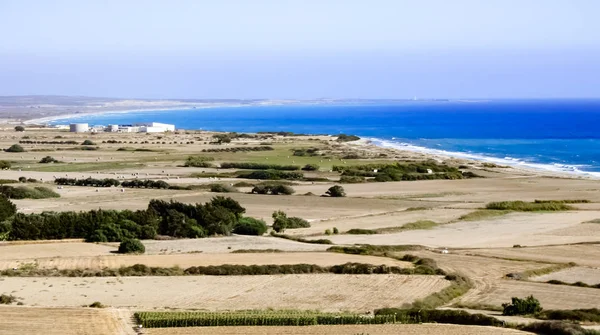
548,169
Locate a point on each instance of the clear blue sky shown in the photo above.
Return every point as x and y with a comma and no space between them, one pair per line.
301,48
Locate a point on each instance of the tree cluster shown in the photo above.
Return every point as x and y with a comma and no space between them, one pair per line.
273,189
106,182
271,175
239,149
217,217
199,161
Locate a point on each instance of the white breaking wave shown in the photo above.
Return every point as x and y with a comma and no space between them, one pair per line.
510,161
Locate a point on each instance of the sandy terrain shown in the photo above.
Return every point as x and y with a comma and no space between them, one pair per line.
60,321
517,228
188,260
228,244
582,254
30,252
590,276
423,329
325,292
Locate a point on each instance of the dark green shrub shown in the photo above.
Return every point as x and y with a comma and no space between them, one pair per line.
199,161
259,166
7,208
88,142
529,305
15,148
310,167
221,188
335,231
274,189
7,299
580,315
347,138
556,328
336,191
522,206
48,159
352,179
5,165
358,231
96,304
131,246
250,226
19,128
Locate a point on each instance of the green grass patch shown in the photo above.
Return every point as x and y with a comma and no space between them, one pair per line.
81,167
421,224
460,285
522,206
300,239
358,231
572,201
482,214
257,251
539,272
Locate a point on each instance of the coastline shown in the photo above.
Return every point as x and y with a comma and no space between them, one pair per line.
538,169
373,143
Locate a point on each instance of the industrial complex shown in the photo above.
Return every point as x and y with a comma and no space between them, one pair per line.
145,127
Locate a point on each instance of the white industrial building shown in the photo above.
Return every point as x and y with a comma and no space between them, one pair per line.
154,127
79,127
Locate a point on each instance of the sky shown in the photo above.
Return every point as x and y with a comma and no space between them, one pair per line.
301,49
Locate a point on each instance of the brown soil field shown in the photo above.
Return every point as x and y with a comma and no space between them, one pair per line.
188,260
590,276
30,252
582,254
60,321
505,231
325,292
422,329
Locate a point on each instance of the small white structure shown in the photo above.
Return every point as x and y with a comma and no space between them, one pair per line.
155,127
429,171
79,127
113,128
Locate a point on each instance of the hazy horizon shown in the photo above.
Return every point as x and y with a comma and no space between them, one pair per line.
267,49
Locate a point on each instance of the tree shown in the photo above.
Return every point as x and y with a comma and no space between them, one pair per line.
7,208
336,191
19,128
529,305
279,221
131,246
310,167
88,142
15,148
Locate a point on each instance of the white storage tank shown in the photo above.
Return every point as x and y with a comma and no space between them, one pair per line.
79,127
113,128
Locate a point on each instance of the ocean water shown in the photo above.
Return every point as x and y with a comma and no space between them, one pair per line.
555,135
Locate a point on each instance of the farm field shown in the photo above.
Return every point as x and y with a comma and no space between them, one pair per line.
582,254
590,276
326,292
422,329
198,259
60,321
506,231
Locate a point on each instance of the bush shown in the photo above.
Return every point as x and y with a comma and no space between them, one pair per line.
358,231
7,208
221,188
522,206
19,128
335,231
199,161
131,246
48,159
529,305
282,222
556,328
88,142
336,191
7,299
22,192
15,148
271,175
352,179
5,165
96,304
250,226
310,167
347,138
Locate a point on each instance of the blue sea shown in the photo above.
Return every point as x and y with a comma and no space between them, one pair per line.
554,135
